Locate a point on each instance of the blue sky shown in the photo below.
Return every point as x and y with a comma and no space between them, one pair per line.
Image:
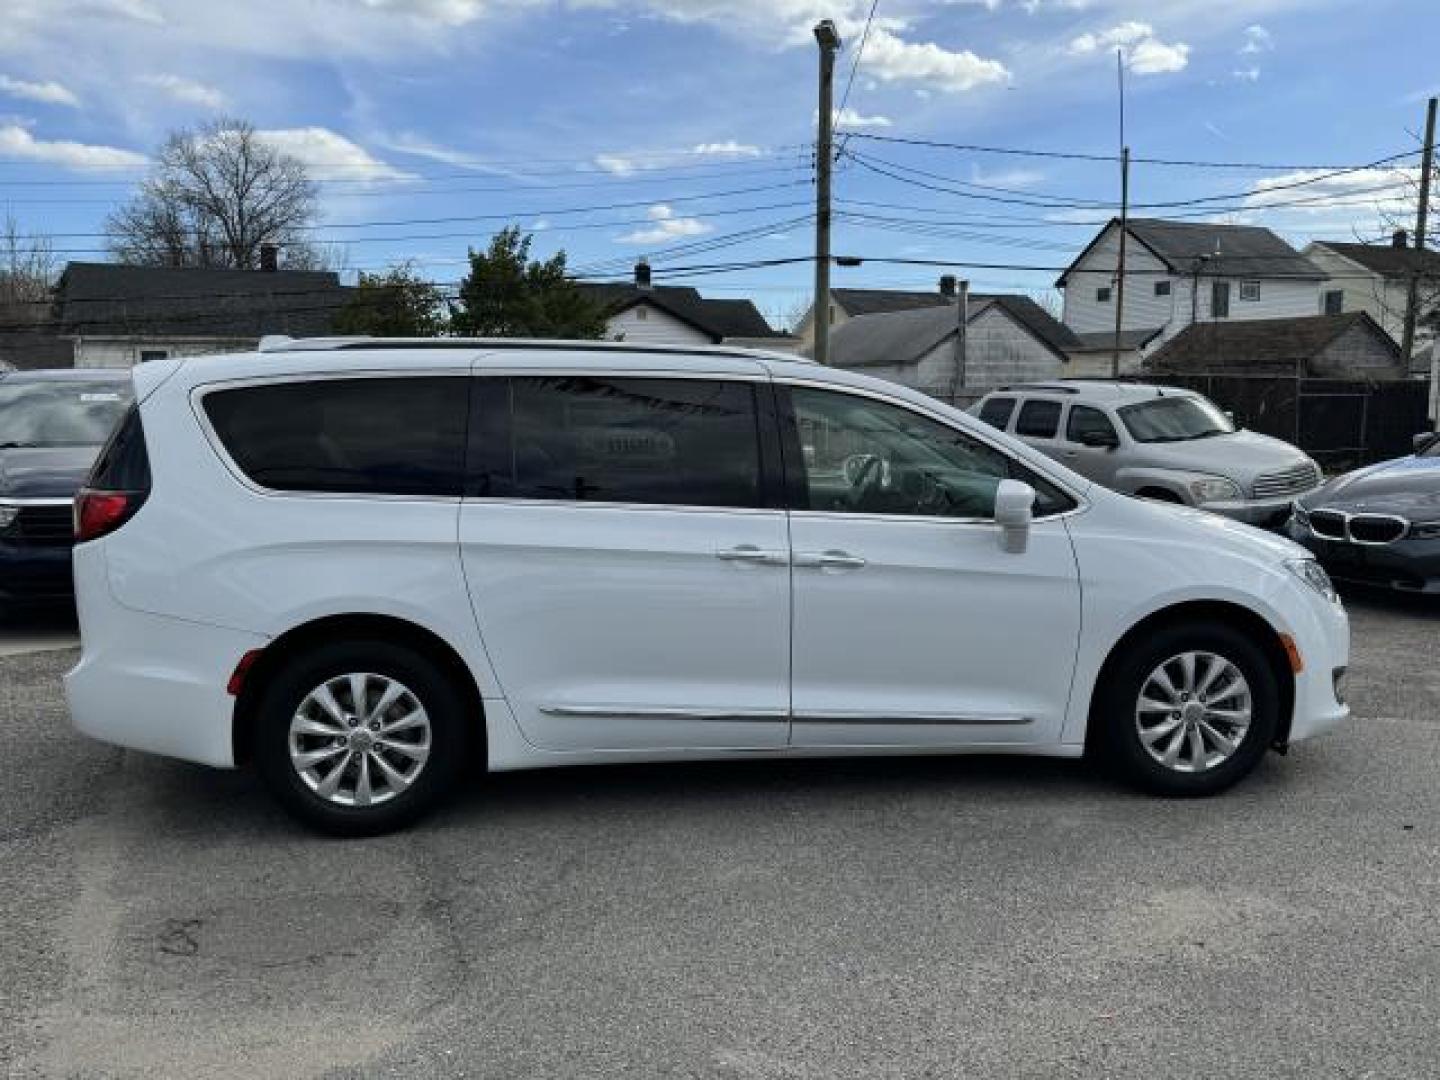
689,120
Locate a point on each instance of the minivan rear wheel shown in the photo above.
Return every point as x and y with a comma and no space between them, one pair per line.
1188,710
359,738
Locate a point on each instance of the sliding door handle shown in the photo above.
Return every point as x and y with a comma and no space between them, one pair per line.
749,553
829,560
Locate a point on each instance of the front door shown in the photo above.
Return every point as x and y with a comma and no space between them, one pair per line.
912,626
1085,425
628,560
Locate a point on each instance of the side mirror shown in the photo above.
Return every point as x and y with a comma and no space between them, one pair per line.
1014,508
1422,442
1101,439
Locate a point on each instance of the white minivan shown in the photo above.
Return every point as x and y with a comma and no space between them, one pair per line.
359,565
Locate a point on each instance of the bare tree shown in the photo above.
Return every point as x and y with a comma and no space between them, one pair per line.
27,274
215,195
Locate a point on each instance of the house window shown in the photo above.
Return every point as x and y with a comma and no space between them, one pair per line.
1334,301
1249,290
1102,295
641,313
152,354
1162,288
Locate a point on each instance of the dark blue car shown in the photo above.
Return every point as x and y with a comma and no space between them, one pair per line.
52,425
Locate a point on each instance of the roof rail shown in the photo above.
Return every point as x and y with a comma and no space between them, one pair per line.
1050,387
281,343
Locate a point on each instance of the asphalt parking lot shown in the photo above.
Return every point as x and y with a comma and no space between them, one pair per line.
887,918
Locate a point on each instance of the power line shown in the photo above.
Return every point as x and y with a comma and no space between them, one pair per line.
859,52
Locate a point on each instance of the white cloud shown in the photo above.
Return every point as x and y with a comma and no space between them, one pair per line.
1257,40
1249,74
614,163
17,142
446,12
48,92
667,227
728,148
1321,191
1144,53
332,155
186,91
1013,178
891,59
853,120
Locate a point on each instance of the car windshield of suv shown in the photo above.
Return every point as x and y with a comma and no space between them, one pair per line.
1174,419
59,412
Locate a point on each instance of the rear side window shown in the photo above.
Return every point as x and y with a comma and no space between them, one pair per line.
996,411
377,436
124,463
1085,420
692,442
1039,419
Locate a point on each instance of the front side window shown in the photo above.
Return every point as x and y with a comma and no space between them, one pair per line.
870,457
376,436
1089,426
59,412
1039,419
1174,419
687,442
996,411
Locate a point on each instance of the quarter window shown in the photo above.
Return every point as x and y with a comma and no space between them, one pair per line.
688,442
996,411
378,436
1039,419
869,457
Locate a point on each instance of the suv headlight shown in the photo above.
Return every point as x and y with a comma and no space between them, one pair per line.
1313,574
1214,489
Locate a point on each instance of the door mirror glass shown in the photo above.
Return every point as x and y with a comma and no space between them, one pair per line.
1014,509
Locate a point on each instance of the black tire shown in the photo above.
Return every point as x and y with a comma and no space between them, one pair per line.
443,704
1114,733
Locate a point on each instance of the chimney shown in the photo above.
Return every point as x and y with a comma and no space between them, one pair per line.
947,286
1401,239
642,275
269,258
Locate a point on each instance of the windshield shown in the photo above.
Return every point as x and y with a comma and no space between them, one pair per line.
1174,419
59,412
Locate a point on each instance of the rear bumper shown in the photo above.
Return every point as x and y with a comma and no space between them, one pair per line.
150,682
35,572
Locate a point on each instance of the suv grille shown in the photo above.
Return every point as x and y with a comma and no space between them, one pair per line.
48,526
1286,482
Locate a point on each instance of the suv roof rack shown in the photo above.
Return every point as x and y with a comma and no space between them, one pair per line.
274,343
1053,388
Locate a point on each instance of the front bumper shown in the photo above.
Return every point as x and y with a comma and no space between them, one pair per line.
1408,565
35,573
1266,513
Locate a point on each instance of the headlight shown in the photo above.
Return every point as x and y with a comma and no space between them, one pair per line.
1314,575
1425,530
1214,489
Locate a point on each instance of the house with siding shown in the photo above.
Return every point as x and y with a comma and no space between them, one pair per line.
1375,279
1008,339
1178,273
1348,346
847,304
639,312
115,315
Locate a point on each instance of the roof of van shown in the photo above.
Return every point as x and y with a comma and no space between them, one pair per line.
279,344
1095,389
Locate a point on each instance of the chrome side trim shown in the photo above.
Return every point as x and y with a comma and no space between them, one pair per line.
664,713
958,719
7,501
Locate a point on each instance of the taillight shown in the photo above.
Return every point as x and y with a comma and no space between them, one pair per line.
100,512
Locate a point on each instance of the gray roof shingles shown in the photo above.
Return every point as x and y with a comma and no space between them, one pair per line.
110,298
1244,251
1386,260
720,319
903,336
1260,346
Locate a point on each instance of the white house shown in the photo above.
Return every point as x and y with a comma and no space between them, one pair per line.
1181,272
1375,279
1008,339
641,313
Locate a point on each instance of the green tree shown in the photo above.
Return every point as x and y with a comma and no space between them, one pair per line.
506,294
397,303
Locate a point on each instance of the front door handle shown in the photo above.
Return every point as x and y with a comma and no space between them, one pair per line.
829,560
751,554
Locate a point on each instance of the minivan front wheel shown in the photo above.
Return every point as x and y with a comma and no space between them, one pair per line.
358,738
1189,710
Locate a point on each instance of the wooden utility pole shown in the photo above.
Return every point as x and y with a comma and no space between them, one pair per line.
828,39
961,345
1412,288
1120,261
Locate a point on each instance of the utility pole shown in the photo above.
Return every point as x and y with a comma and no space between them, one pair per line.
1120,262
828,39
961,342
1412,289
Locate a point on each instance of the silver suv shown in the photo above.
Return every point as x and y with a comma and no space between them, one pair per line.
1157,442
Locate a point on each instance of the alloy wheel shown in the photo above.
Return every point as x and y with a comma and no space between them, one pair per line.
1193,711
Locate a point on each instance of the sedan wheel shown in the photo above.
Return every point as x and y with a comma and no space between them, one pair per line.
1193,711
